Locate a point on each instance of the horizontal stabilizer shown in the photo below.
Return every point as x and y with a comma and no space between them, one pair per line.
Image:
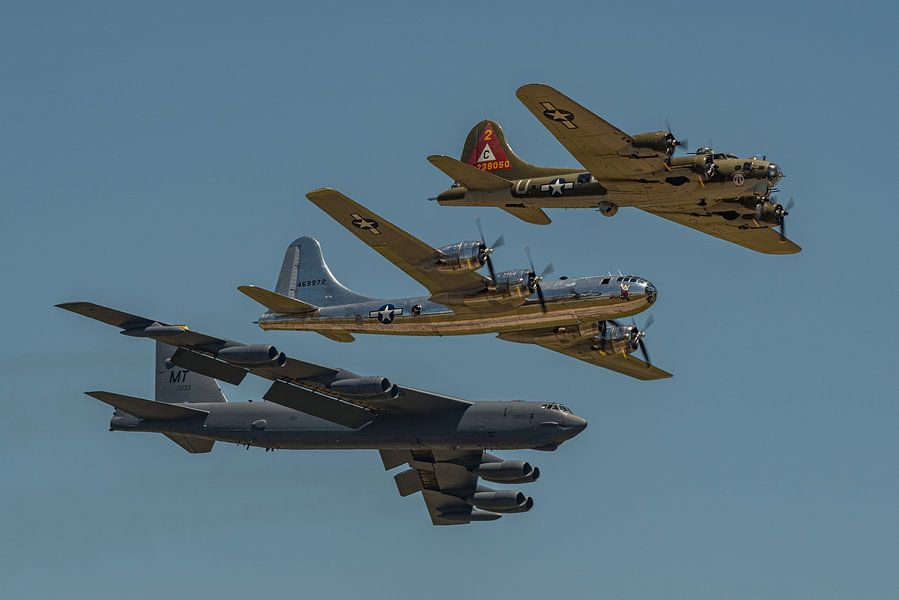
208,366
148,409
317,405
471,177
194,445
275,301
529,214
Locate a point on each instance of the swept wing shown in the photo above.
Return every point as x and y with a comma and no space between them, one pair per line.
300,385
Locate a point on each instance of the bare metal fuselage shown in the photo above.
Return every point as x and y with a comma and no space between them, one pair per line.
568,301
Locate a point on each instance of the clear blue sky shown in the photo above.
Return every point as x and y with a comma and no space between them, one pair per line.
153,158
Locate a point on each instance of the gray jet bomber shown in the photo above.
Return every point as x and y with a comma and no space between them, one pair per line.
442,440
573,316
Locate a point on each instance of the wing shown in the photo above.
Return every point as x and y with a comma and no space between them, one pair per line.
444,478
407,252
759,238
626,364
300,385
603,149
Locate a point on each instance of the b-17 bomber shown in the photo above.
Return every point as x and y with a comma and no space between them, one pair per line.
574,316
442,440
717,193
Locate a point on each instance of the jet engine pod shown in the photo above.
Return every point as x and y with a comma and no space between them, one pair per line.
508,471
464,516
502,501
365,387
252,355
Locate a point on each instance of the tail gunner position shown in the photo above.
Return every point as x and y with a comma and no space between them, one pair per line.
574,316
720,194
442,440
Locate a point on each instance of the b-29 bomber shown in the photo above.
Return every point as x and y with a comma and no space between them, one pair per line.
574,316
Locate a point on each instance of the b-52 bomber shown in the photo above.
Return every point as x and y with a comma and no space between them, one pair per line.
441,439
720,194
573,316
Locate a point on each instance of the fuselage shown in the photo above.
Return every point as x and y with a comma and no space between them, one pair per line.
483,425
680,185
569,301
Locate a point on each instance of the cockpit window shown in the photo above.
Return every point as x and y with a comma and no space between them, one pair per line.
556,406
584,178
606,280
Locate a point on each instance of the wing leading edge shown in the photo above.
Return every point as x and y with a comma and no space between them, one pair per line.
410,254
300,385
626,364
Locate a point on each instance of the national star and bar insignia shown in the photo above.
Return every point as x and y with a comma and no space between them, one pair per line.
386,314
365,224
565,117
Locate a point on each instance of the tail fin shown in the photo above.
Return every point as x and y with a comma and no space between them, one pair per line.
486,148
305,277
177,385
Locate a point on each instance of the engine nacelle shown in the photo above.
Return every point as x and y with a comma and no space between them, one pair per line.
508,471
365,387
660,141
464,516
252,355
703,164
769,212
511,289
463,256
615,339
502,501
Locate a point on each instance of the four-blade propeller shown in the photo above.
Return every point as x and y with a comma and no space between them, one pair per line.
486,250
637,336
534,279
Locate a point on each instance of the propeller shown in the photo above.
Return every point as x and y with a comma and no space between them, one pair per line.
488,250
536,279
783,218
674,141
641,334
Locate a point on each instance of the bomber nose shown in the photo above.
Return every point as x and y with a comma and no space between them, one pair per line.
575,425
774,171
651,292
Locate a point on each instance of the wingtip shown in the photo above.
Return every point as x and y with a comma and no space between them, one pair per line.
531,87
322,191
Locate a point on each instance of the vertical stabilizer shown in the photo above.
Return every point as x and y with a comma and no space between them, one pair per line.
176,385
306,277
486,148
